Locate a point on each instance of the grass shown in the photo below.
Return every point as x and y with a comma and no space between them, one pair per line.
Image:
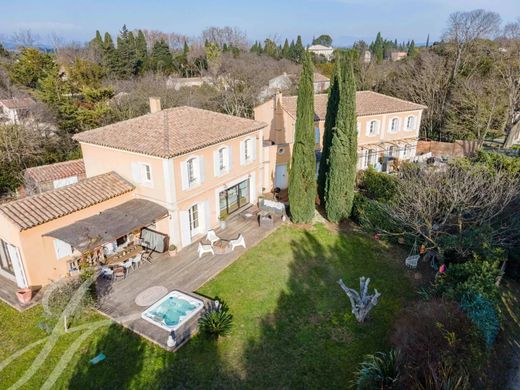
293,326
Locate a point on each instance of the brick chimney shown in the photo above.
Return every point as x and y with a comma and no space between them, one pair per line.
155,104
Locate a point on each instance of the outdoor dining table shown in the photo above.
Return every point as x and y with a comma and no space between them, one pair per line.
119,258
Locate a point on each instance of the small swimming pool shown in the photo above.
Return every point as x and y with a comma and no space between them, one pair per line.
172,310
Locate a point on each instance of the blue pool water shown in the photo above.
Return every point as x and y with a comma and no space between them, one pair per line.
172,311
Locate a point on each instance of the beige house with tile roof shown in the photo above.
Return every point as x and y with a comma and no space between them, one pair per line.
15,110
388,130
189,167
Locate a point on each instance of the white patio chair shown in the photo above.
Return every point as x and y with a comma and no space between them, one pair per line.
212,236
127,265
204,248
137,260
240,241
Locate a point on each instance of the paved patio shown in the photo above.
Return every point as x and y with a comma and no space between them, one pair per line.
185,272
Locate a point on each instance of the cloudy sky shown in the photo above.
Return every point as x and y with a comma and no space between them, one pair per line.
344,20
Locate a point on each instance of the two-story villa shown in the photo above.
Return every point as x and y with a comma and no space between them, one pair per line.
172,172
388,130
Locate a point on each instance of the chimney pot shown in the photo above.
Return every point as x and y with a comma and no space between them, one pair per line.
155,104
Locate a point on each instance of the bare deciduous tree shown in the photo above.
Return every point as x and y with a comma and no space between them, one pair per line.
25,38
231,36
441,205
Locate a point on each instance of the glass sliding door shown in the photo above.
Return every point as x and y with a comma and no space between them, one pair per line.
234,197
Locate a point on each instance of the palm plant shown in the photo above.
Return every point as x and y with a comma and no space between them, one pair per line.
379,371
217,321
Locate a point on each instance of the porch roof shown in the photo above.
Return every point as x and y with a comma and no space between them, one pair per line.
110,224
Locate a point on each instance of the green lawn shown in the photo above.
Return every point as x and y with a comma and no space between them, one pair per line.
293,326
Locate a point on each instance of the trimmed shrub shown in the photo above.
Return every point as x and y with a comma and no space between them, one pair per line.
377,185
371,215
379,371
483,314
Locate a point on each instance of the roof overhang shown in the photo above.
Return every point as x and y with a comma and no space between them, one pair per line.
107,226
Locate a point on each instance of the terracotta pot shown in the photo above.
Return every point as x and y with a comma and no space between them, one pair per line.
24,295
172,253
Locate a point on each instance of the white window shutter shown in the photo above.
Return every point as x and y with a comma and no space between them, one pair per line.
253,147
62,249
229,159
242,151
136,172
185,228
184,176
216,163
201,169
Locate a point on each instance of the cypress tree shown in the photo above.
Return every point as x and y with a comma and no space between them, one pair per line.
302,174
109,55
285,49
330,125
412,51
299,50
379,50
141,52
340,182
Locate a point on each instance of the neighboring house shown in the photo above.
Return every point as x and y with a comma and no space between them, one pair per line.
321,83
388,130
286,81
320,50
15,110
398,55
53,176
175,172
187,82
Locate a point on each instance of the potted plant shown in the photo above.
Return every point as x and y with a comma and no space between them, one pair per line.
24,295
172,250
222,220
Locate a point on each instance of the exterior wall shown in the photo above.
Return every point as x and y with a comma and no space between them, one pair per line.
447,149
207,192
99,159
37,251
385,135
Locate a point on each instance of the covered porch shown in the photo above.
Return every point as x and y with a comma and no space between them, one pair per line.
185,272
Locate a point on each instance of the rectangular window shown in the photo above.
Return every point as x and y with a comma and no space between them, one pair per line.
147,172
194,219
222,159
410,123
248,150
372,128
234,198
317,135
192,177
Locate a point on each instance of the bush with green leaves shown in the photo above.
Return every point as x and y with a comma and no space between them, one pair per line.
217,321
474,276
371,216
482,312
379,371
377,185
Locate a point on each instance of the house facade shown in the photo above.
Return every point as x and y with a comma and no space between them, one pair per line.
321,50
388,130
53,176
175,172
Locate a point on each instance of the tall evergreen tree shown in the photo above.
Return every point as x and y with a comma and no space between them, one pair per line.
141,52
109,55
340,182
285,49
161,57
379,50
302,175
428,41
299,50
330,127
412,50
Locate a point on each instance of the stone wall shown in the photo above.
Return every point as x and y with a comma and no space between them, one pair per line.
447,149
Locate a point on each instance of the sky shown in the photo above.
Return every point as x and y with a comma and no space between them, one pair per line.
345,20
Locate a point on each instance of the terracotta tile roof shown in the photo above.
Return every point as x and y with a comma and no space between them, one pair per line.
367,103
17,103
47,206
51,172
189,129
